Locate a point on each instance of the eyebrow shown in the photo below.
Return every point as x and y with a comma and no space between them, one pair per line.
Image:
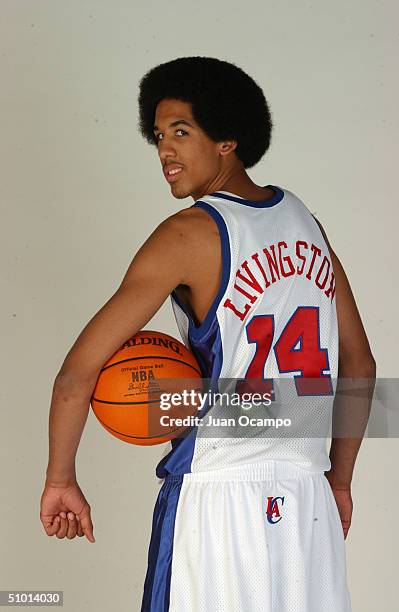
176,123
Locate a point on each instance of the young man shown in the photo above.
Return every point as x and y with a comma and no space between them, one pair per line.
250,522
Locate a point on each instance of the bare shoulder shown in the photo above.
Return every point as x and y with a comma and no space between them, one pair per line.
184,232
196,218
198,225
201,234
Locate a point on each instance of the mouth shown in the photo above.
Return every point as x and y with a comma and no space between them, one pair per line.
175,173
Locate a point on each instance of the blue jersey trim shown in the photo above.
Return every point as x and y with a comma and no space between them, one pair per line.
156,594
197,332
227,195
180,457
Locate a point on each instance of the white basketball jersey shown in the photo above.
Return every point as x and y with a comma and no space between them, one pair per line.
273,320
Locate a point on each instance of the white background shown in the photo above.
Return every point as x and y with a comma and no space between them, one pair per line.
81,191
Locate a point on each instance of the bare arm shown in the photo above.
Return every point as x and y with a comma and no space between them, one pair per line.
160,265
356,362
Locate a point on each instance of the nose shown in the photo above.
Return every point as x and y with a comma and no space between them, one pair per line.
165,150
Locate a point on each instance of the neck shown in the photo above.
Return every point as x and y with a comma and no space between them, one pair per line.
240,184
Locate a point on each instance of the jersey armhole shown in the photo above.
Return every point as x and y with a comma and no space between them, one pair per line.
199,331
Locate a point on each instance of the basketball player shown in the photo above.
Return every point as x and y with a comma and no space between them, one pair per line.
248,523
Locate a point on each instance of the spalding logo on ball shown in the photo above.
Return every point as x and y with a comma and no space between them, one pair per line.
127,396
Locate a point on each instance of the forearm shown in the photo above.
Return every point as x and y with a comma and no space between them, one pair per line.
355,388
343,453
68,414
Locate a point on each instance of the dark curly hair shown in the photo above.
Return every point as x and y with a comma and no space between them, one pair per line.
225,102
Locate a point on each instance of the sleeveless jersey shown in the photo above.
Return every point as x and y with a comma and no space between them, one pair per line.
273,319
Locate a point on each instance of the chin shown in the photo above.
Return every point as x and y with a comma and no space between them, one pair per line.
180,194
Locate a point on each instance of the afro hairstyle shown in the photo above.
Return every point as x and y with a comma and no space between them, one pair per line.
226,103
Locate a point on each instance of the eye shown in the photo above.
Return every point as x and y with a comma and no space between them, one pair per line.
159,134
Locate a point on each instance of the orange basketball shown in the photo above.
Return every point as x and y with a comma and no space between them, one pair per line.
127,397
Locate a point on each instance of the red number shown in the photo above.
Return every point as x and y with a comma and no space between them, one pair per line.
297,349
260,330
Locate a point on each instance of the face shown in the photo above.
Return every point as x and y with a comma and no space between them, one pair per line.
183,144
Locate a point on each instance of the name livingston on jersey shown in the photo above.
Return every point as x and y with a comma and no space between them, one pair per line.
276,264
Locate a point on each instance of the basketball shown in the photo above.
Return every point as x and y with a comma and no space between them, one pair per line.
127,396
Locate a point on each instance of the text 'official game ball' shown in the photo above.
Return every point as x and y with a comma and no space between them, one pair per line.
130,398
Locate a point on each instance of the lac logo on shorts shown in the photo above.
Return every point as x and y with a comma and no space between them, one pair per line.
273,509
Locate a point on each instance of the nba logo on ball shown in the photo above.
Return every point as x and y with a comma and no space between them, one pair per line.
127,396
273,509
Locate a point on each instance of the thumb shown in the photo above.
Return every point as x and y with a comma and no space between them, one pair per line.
87,527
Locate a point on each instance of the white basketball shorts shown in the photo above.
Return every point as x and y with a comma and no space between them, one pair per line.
255,538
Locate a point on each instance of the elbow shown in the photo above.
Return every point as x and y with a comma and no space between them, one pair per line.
370,366
73,384
358,366
373,367
65,379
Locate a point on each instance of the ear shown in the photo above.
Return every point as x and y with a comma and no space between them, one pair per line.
227,146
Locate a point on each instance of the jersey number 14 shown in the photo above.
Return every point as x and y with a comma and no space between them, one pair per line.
297,349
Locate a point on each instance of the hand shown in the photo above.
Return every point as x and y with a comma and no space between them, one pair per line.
64,511
343,498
